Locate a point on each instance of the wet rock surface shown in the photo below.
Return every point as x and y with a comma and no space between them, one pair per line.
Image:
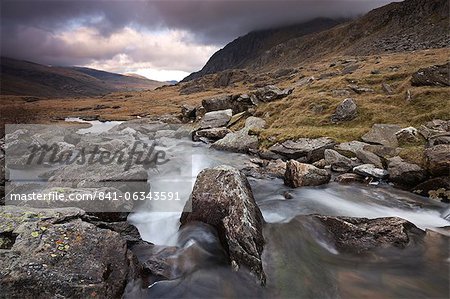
222,198
360,235
435,188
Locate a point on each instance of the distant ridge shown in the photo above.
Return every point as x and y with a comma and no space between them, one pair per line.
19,77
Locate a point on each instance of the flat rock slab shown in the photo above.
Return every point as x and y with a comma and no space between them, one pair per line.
303,149
216,119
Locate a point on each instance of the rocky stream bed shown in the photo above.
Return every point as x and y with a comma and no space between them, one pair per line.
307,218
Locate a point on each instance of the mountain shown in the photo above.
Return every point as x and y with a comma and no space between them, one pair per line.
134,75
396,27
245,49
19,77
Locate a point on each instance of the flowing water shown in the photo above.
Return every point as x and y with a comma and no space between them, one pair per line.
297,262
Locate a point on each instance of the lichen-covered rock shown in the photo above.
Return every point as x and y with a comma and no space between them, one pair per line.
222,197
404,173
301,174
383,134
54,253
436,188
303,149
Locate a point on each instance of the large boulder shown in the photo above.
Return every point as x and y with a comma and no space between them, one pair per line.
338,162
404,173
383,134
237,103
270,93
56,254
438,159
222,197
360,235
347,110
369,170
436,75
303,149
243,140
301,174
216,119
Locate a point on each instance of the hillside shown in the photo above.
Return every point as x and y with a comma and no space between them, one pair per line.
244,50
399,26
20,77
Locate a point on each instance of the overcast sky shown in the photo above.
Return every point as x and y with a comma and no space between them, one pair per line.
162,40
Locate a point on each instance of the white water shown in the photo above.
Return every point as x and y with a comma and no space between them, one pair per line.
159,223
332,199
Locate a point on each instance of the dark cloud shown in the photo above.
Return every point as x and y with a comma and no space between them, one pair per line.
28,28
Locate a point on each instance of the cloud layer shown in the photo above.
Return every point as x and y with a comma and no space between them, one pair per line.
130,36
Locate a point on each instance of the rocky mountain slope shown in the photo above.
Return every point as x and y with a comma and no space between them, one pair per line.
20,77
244,50
399,26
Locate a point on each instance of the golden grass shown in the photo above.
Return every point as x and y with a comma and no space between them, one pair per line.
307,112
